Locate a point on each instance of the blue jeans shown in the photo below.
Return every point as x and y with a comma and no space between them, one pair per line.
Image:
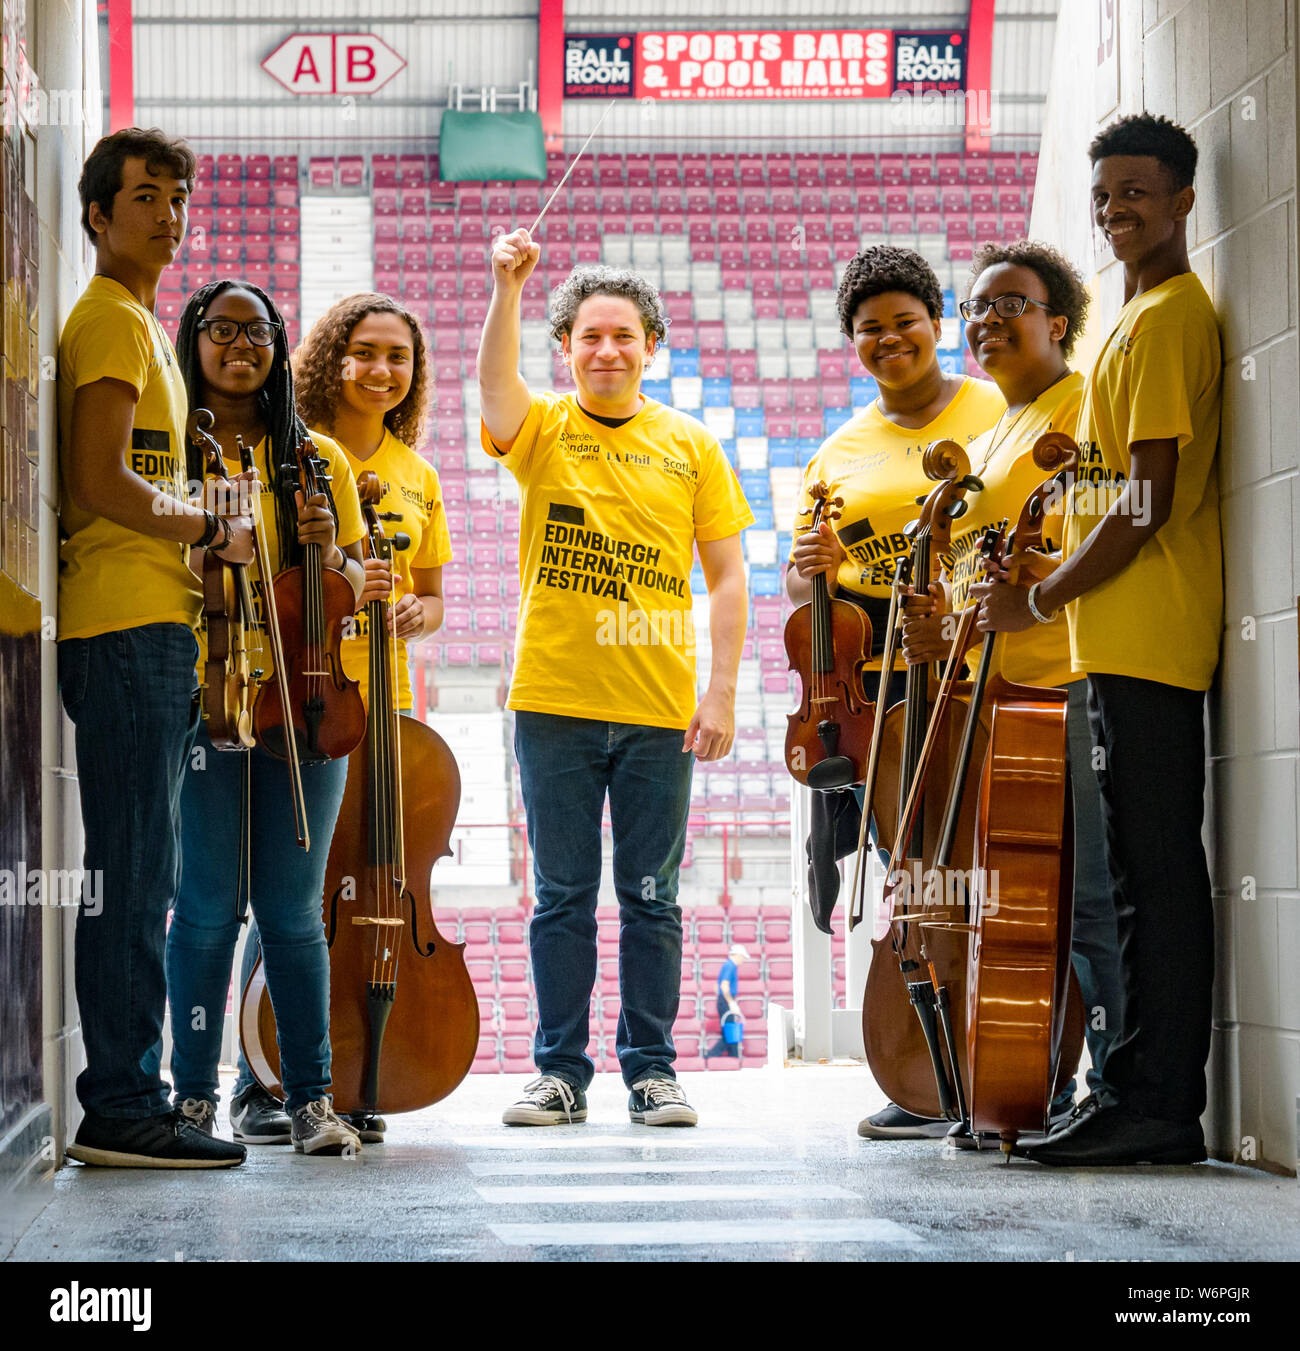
286,892
566,767
129,694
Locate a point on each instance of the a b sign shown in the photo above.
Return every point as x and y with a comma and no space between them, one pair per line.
333,63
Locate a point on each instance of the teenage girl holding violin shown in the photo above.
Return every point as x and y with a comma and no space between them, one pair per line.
363,379
237,817
890,304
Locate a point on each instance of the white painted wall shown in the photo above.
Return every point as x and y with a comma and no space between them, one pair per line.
1228,73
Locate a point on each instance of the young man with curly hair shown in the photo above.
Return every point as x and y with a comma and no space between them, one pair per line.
1142,588
128,607
616,490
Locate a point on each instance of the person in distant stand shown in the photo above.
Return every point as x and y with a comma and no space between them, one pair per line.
728,983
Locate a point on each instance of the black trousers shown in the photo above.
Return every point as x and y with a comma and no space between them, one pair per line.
1152,775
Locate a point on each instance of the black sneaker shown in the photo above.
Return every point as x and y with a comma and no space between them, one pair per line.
167,1141
200,1113
316,1129
660,1102
257,1118
547,1101
893,1123
370,1128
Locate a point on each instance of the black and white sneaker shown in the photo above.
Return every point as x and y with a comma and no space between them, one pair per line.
170,1140
893,1123
257,1118
547,1101
370,1128
200,1113
660,1102
316,1129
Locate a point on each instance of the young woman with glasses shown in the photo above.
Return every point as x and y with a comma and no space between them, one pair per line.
235,361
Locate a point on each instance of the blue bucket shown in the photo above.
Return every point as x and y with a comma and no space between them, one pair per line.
733,1030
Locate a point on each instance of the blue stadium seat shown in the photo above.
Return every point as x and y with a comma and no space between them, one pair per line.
660,390
782,457
762,516
749,422
862,389
698,587
729,450
765,581
784,543
952,363
756,485
949,305
685,362
837,417
808,447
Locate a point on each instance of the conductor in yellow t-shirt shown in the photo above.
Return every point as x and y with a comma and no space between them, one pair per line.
616,490
1142,585
128,606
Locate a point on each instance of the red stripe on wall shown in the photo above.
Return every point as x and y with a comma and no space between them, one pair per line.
550,70
979,71
121,65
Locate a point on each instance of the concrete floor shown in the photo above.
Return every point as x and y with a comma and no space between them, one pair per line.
774,1171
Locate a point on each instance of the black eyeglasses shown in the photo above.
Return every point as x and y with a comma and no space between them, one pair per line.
1009,306
261,332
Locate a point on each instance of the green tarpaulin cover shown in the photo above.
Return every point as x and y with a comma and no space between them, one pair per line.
479,146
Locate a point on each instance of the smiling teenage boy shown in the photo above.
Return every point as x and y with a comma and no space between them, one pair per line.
128,606
616,489
1143,589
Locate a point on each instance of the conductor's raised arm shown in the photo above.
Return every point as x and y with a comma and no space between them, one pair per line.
502,393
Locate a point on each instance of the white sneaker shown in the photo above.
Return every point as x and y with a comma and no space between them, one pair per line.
660,1102
317,1129
547,1101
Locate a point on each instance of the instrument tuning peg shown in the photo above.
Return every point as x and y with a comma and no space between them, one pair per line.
920,501
972,483
956,510
1035,509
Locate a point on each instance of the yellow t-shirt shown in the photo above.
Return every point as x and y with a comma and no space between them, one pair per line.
350,529
110,577
1157,377
608,519
411,490
875,466
1041,655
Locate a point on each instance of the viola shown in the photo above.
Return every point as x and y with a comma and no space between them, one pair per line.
404,1021
310,701
229,682
829,643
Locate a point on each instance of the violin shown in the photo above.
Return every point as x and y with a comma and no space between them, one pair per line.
829,643
325,716
229,683
397,1044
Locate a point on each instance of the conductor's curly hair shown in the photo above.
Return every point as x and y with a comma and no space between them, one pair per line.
1066,293
318,364
584,282
882,268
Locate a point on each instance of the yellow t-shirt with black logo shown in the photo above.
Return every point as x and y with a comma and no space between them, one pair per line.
350,529
110,577
1157,377
875,466
412,492
608,519
1040,655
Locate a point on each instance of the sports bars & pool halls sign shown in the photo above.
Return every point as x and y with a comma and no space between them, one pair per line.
776,64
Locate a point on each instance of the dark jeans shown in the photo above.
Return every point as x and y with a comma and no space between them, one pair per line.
1153,793
287,884
1094,948
566,768
130,696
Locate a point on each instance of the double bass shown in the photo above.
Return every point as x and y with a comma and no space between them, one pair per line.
404,1020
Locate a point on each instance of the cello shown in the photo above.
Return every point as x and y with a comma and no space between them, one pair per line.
397,1044
828,642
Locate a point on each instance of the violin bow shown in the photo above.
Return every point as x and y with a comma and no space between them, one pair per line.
572,165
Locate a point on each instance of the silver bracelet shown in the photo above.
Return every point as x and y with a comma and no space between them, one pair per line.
1035,611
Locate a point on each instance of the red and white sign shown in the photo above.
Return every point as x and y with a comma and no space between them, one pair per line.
822,63
333,63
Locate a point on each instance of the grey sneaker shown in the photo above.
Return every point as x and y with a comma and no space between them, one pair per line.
660,1102
547,1101
256,1118
317,1130
893,1123
200,1113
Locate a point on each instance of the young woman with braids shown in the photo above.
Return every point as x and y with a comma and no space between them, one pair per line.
235,361
362,378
